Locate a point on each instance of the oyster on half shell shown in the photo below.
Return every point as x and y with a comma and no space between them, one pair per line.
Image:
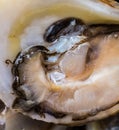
59,60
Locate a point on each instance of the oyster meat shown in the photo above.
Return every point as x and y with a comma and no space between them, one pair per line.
81,68
59,61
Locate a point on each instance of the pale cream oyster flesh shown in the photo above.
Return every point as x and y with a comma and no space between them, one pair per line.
61,61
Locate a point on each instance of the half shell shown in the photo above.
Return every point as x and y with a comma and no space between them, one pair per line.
88,95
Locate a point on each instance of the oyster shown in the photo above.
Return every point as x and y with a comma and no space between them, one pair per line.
41,84
62,65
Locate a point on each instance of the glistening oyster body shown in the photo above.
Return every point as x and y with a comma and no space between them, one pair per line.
71,89
74,78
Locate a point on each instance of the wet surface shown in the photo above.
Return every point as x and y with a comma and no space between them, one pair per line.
66,26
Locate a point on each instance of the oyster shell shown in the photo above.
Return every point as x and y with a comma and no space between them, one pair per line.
63,94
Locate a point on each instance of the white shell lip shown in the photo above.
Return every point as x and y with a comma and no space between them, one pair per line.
90,8
100,7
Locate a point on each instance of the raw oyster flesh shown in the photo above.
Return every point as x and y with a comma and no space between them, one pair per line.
68,80
58,65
